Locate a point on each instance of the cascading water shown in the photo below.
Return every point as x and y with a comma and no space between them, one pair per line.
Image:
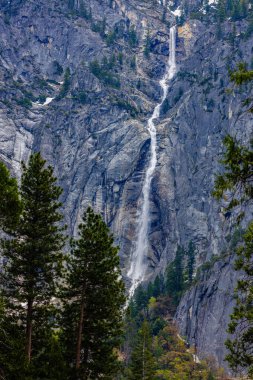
138,268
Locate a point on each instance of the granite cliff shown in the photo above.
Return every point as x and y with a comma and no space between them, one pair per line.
79,80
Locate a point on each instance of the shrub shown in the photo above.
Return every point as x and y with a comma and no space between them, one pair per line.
102,73
24,102
57,68
132,37
65,86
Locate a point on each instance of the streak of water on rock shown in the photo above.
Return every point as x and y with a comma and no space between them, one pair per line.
138,264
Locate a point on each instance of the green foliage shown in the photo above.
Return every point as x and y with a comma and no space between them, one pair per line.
80,96
50,363
93,297
42,99
221,10
234,9
120,58
235,184
175,276
12,357
126,105
152,347
37,340
142,364
65,86
132,37
249,31
111,37
24,102
84,12
10,204
241,75
99,27
71,4
241,325
80,10
175,361
102,72
165,106
152,342
179,95
207,265
33,256
147,46
133,63
57,68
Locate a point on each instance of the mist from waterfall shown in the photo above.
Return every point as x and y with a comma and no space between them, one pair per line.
138,265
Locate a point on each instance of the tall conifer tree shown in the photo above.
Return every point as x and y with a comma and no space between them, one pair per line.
33,257
142,363
93,299
175,276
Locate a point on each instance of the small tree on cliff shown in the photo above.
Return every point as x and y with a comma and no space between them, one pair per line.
237,179
241,325
175,276
93,298
33,257
237,185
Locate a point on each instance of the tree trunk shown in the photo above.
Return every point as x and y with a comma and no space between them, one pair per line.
28,348
79,335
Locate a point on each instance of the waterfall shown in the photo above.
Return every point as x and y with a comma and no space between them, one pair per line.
138,266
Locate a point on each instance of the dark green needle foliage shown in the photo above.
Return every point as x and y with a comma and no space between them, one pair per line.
142,364
12,356
235,183
235,186
175,276
241,75
10,205
33,258
241,325
93,300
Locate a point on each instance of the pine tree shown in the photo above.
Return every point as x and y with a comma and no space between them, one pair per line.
238,163
33,256
140,298
175,276
10,205
241,75
236,182
221,9
158,286
241,325
93,299
147,45
142,363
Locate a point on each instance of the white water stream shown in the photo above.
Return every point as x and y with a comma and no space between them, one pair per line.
138,265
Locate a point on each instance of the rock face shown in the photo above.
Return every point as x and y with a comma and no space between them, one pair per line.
204,311
79,80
